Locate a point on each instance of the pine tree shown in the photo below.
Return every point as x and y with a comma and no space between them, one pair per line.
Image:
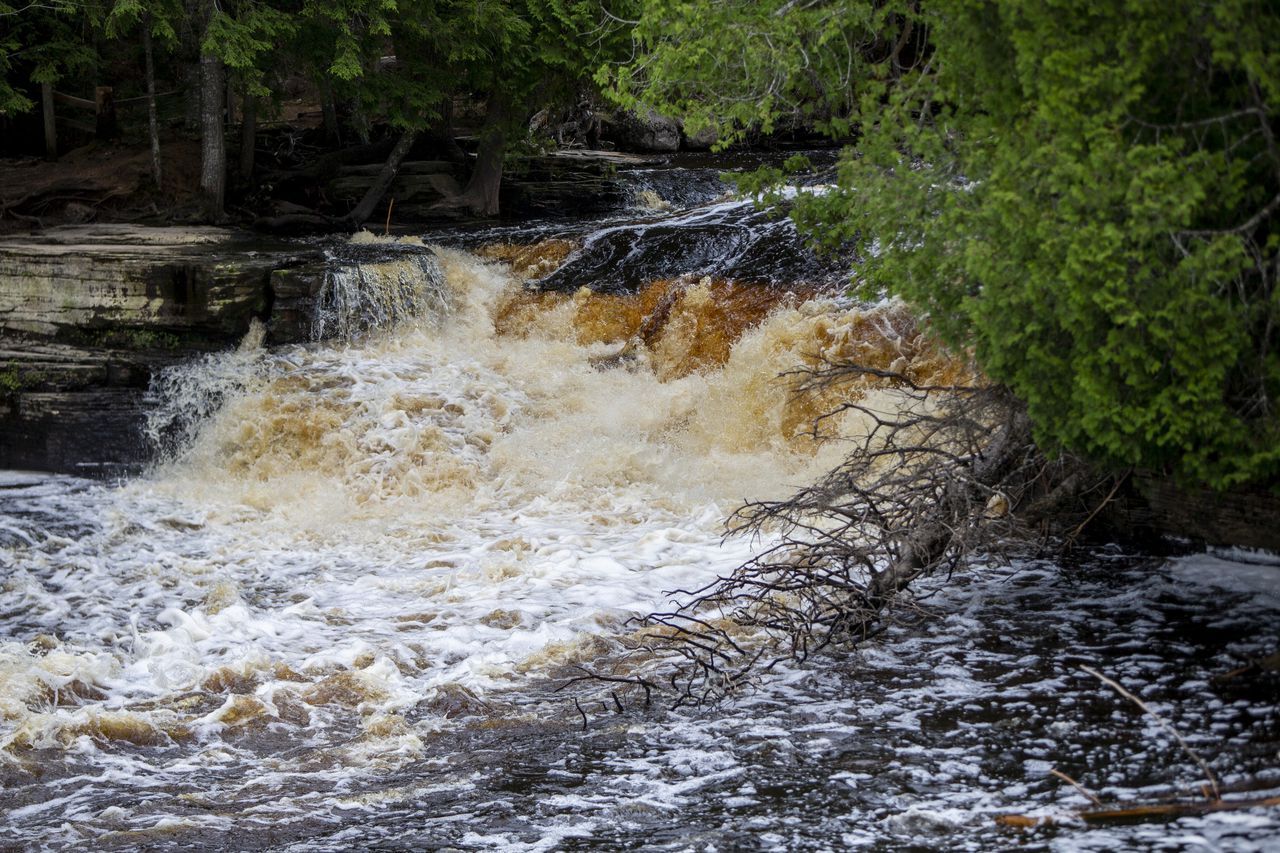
1085,197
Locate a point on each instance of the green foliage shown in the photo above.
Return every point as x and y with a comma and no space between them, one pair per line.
1084,196
523,49
396,58
245,37
11,100
43,43
159,15
340,39
739,65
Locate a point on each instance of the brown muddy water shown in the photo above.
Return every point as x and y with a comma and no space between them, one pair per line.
337,615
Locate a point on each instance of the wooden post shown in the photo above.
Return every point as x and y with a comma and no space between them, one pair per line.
50,122
105,106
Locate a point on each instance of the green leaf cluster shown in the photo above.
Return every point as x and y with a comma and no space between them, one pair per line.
1084,195
737,65
395,58
43,43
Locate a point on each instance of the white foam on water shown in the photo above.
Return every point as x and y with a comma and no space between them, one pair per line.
362,547
1254,576
347,529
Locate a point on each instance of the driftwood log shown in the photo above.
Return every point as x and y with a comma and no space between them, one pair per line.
1141,813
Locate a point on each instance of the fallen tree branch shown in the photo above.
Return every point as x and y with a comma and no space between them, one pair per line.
1074,534
1164,724
590,676
937,477
1138,813
1085,792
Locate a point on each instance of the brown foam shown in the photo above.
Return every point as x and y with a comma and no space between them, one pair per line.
345,688
530,260
682,327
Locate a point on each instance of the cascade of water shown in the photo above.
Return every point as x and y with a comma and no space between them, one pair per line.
729,239
345,596
366,295
375,286
663,189
181,398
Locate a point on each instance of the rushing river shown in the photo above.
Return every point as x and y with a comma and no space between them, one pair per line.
340,613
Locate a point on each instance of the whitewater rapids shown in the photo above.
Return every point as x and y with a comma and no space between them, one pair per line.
333,616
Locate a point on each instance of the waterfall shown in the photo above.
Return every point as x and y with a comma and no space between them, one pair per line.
355,603
370,285
365,295
182,397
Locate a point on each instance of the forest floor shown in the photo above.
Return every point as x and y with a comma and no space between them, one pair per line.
100,181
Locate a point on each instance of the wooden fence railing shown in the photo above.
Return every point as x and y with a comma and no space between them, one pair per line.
103,106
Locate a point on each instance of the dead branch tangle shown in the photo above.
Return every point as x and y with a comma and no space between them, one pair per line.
939,474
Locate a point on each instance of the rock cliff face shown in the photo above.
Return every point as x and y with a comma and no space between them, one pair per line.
87,313
123,285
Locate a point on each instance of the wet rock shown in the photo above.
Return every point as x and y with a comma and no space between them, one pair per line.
702,140
564,183
88,313
294,291
647,131
139,287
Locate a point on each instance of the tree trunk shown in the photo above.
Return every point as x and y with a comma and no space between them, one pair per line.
329,110
229,101
50,122
359,122
153,123
481,195
364,209
248,136
213,145
922,547
442,135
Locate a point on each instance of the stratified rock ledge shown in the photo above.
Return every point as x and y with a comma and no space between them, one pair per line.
88,313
